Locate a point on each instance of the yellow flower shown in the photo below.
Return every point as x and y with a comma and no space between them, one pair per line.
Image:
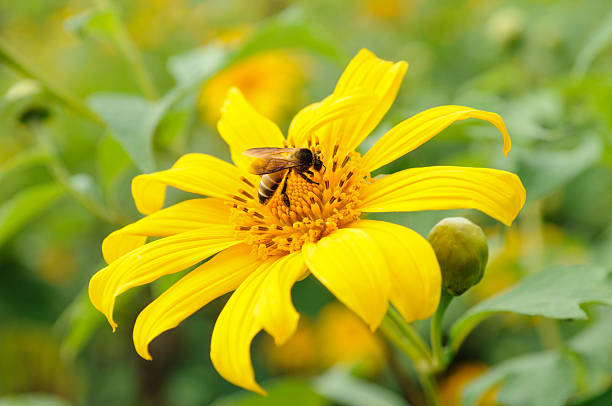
296,355
385,9
458,379
344,339
337,337
262,250
268,80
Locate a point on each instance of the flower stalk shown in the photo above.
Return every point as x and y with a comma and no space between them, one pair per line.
406,338
439,360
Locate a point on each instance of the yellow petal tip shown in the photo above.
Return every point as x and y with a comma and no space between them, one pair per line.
259,390
143,351
112,323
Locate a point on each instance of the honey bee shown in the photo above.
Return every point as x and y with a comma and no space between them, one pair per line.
275,165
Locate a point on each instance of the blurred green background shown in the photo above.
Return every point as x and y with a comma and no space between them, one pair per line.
93,93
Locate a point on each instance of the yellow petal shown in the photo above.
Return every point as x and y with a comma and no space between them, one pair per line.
499,194
243,128
184,216
332,108
195,173
411,133
154,260
275,309
222,274
230,345
413,268
349,263
367,73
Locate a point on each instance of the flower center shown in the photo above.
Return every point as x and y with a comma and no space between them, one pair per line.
314,211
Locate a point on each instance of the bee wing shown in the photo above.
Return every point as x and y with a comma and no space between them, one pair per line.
270,152
263,166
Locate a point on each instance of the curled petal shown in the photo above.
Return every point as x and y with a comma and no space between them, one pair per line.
331,109
499,194
154,260
275,309
349,263
367,73
222,274
242,128
415,131
413,268
184,216
195,173
364,93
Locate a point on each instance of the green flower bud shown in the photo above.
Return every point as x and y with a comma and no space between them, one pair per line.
462,252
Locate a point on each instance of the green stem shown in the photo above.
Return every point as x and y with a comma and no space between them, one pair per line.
131,53
439,361
408,331
405,337
61,174
11,59
430,388
390,330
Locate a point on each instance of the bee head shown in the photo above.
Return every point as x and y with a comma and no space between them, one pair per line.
317,164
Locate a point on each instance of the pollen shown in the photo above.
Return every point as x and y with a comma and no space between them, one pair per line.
316,207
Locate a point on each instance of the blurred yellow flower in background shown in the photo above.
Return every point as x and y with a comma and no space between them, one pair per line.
57,263
456,381
299,354
385,9
344,339
264,249
270,81
337,336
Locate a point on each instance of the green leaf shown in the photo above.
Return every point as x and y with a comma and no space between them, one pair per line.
602,399
594,345
16,212
77,324
340,386
80,320
192,67
545,171
549,377
175,122
536,379
132,121
280,393
557,292
96,22
112,161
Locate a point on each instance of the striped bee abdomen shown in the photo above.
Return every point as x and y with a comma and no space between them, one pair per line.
268,185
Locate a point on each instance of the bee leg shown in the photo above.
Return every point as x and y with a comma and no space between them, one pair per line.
284,195
306,178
